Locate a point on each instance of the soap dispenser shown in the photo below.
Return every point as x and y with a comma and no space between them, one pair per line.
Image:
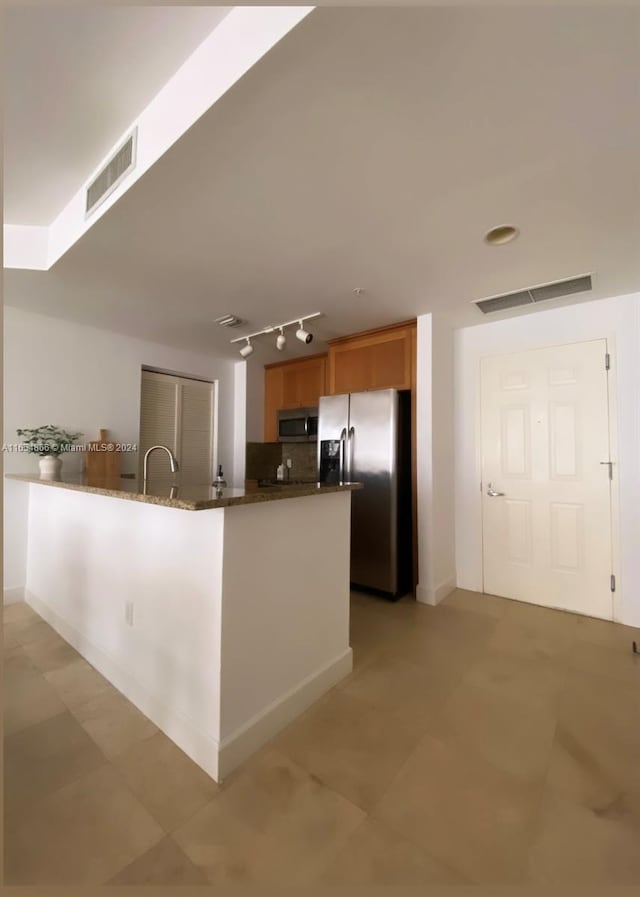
220,481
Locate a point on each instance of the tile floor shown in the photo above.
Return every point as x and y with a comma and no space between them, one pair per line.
480,741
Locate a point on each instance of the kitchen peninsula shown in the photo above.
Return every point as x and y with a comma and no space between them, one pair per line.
221,615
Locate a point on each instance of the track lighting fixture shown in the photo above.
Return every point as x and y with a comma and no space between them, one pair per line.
246,350
281,340
303,335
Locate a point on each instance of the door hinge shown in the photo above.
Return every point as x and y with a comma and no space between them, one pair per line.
613,582
607,361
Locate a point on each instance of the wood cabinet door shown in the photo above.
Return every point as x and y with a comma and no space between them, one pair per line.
272,402
311,377
379,361
303,383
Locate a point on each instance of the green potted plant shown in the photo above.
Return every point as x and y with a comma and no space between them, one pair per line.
49,443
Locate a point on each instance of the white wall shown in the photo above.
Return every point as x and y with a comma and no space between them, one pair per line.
434,438
616,319
82,378
90,556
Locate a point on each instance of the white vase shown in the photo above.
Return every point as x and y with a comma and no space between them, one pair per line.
50,467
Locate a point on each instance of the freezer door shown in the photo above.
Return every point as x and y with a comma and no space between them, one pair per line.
372,449
333,424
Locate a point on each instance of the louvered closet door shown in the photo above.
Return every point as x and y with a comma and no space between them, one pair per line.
196,432
179,413
158,421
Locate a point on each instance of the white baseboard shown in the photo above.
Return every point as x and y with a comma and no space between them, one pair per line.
200,747
435,596
235,748
13,596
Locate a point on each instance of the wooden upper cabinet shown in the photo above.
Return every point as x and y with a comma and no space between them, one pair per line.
303,382
378,359
272,402
292,384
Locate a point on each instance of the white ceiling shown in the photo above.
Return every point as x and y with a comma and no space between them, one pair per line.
75,80
373,148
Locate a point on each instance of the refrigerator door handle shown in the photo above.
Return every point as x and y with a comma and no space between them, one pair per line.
343,440
350,438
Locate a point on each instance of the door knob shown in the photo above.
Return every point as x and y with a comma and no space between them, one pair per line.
491,492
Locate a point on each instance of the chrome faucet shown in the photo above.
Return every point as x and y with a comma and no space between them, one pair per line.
172,460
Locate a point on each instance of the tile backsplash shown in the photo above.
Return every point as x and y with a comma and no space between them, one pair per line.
263,458
304,459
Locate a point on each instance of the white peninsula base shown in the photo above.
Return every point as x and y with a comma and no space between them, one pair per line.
220,625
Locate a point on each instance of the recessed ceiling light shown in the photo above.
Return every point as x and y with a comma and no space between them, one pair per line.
505,233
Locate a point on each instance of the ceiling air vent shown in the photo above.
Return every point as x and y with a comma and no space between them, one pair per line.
229,321
116,169
535,294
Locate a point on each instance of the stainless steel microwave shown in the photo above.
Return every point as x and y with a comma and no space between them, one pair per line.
298,425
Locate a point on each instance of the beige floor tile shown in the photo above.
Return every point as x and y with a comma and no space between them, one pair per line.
81,834
51,653
351,746
523,640
458,623
604,632
164,864
451,722
9,640
218,843
170,785
477,602
465,812
113,722
520,679
15,664
447,637
512,735
44,757
597,746
375,855
28,631
78,682
388,681
273,824
575,845
611,656
543,618
28,699
19,612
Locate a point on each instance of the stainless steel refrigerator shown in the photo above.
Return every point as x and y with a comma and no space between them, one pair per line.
365,437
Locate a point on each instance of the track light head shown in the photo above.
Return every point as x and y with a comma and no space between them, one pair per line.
246,350
281,340
303,335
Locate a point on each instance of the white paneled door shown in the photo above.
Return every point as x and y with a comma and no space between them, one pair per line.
546,493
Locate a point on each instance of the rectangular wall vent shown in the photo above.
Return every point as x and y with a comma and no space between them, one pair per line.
229,321
532,295
113,173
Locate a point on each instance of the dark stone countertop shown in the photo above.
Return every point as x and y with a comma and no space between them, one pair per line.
186,496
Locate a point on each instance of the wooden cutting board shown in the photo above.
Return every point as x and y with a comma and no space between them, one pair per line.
102,464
